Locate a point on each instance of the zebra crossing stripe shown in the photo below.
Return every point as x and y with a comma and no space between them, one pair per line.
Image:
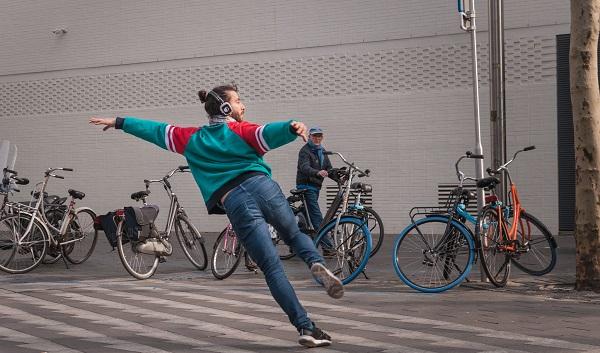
129,326
72,331
445,325
273,324
353,324
190,323
32,342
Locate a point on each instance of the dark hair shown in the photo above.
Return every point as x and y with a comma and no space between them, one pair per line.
211,104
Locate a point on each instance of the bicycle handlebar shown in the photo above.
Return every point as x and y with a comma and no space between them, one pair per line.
366,172
461,176
9,171
491,171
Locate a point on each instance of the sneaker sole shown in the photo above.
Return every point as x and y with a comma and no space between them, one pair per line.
332,284
310,342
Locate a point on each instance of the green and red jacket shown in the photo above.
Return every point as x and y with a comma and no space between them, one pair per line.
220,156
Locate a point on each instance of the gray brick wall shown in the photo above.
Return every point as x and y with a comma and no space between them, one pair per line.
389,81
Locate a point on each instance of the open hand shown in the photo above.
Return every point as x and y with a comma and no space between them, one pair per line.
300,130
108,122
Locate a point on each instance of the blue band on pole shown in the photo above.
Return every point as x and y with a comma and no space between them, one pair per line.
460,6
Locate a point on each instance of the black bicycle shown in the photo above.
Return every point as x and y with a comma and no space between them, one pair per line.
340,204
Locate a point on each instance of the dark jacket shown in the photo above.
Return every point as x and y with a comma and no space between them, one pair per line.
308,167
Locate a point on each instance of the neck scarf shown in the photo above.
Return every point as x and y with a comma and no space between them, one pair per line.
318,150
219,119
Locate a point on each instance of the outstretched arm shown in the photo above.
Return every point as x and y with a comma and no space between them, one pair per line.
167,136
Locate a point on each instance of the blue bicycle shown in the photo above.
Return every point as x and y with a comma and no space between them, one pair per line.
437,250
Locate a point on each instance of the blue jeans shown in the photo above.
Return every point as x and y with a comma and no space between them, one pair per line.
312,203
250,206
314,212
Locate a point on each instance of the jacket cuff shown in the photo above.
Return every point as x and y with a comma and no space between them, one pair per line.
119,123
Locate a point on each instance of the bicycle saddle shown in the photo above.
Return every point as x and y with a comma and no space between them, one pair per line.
298,191
364,187
76,194
488,183
139,195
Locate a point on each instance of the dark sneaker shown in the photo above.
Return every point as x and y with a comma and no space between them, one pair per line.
332,284
314,338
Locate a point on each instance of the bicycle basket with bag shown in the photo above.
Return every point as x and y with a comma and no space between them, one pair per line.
139,222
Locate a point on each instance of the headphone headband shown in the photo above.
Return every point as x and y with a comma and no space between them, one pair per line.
224,107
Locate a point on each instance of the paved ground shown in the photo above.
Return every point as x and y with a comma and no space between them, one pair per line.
97,307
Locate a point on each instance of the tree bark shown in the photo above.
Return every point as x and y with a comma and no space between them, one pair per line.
585,100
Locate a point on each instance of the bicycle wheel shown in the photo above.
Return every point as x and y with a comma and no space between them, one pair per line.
227,253
139,265
20,253
495,260
375,225
191,241
433,255
351,245
539,255
54,216
79,241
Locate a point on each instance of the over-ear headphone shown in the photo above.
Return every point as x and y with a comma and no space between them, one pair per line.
224,107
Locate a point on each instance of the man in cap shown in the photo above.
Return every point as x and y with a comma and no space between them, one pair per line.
313,167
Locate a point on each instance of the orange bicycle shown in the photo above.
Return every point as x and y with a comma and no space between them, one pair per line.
508,234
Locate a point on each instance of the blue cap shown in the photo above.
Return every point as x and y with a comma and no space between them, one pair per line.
315,130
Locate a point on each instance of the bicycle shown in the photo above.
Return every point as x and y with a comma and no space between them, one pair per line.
437,250
28,234
142,256
228,252
350,236
511,235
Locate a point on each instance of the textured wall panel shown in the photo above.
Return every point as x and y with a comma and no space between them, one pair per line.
529,60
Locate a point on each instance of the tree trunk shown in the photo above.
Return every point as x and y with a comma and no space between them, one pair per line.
585,99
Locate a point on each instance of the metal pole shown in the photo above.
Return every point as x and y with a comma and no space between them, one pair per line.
497,96
468,24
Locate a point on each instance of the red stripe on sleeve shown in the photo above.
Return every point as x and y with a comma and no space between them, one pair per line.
248,132
179,137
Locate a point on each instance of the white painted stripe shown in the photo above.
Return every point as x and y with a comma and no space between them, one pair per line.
135,328
65,329
356,312
189,323
392,332
31,342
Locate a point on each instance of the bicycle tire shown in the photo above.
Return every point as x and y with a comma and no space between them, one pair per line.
232,256
541,256
375,225
54,217
83,235
356,238
135,264
433,273
494,260
11,228
192,242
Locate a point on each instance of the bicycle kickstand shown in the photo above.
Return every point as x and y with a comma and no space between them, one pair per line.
364,273
64,258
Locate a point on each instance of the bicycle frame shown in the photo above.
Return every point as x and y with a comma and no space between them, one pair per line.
174,205
513,207
457,211
36,212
